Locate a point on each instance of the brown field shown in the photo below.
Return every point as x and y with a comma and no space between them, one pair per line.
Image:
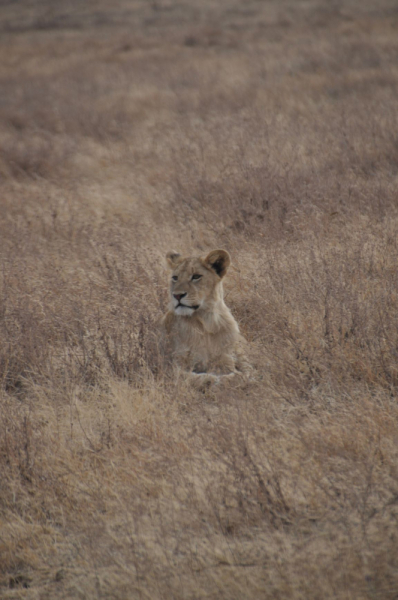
130,128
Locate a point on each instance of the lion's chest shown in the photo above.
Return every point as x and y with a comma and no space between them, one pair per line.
196,348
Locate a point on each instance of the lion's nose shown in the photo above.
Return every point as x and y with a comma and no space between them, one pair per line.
179,296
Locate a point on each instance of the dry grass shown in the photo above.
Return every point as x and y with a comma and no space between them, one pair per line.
269,129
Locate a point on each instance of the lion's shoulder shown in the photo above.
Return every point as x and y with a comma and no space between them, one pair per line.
168,321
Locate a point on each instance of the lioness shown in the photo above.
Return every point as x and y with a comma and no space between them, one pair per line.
204,335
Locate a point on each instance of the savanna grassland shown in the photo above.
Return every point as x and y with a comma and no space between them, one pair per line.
130,128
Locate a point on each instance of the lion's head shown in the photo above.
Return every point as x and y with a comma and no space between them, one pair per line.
195,283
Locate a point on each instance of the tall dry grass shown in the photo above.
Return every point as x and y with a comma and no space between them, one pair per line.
133,128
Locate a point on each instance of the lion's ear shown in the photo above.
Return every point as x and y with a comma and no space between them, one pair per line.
173,258
219,261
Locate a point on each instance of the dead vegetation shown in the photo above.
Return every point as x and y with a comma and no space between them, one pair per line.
268,129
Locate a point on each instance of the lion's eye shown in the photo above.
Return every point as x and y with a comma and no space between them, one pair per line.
196,277
174,278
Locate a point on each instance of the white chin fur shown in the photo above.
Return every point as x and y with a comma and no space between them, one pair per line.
184,311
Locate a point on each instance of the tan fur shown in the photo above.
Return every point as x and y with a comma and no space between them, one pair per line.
204,336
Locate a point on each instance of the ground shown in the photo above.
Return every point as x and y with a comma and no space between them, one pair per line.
131,128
